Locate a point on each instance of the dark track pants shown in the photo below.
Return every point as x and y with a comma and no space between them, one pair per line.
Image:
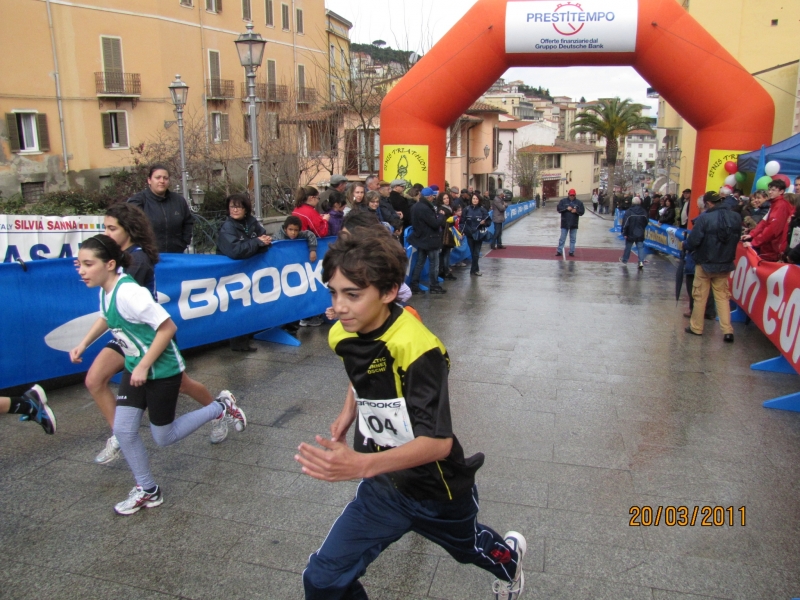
380,515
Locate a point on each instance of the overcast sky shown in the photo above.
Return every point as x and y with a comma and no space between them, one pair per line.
417,24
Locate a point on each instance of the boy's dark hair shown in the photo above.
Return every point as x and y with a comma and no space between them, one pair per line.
239,199
777,184
361,218
292,220
107,250
369,258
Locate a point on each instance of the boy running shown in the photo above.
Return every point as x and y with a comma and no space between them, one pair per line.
414,476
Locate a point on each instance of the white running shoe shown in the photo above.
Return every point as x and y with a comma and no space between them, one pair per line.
511,590
138,499
312,322
219,429
110,453
232,411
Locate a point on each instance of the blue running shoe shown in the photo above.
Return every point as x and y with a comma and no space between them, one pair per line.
41,412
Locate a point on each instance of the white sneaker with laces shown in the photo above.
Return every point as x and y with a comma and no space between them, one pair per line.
512,590
219,429
232,411
110,453
138,499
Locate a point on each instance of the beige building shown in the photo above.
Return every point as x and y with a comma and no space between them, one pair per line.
763,36
473,150
565,166
92,83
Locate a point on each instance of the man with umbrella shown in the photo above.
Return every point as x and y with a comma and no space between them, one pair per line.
713,240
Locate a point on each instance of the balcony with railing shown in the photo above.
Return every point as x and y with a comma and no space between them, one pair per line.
219,89
117,84
269,92
306,95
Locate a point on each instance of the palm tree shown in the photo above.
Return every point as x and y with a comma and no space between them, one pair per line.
611,118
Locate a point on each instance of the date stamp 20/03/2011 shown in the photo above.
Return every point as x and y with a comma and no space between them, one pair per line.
684,516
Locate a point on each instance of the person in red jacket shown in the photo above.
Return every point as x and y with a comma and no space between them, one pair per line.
305,206
769,237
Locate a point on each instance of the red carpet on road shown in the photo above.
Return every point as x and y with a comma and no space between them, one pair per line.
549,253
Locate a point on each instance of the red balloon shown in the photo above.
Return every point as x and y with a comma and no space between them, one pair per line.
784,178
731,167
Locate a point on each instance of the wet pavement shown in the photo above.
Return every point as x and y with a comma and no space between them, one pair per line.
574,378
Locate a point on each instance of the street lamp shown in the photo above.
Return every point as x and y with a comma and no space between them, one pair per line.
198,196
179,91
486,151
669,158
250,47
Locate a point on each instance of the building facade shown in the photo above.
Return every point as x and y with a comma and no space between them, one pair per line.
564,166
91,87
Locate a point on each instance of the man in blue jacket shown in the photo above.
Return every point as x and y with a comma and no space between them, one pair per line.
426,237
633,228
571,210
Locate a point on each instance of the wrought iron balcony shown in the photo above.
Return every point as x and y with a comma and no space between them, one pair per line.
111,83
219,89
269,92
306,95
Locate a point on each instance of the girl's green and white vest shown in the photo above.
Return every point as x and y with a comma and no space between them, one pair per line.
135,339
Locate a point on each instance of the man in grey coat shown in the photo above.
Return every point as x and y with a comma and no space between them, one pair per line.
499,206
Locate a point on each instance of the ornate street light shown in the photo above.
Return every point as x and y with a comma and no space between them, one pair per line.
198,196
179,92
250,47
486,151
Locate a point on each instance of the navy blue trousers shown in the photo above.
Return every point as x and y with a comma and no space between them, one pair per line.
380,515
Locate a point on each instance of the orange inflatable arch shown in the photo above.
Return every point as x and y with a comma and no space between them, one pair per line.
666,46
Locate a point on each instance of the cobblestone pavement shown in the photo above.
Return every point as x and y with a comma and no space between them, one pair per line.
574,378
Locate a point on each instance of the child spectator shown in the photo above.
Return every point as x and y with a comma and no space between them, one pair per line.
292,229
414,475
336,214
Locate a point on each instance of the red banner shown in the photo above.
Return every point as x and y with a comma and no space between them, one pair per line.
769,293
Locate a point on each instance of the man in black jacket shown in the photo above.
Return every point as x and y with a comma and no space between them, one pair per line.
168,212
391,216
713,240
633,229
571,210
399,202
426,237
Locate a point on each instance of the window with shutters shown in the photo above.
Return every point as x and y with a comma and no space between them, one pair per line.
333,92
112,65
214,6
115,129
27,132
273,126
246,12
285,17
220,130
186,3
298,21
333,55
268,10
344,60
214,74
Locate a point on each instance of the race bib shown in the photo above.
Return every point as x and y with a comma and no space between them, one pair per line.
386,422
125,343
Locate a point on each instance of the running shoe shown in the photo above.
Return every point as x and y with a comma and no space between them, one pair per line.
110,453
312,322
41,412
232,411
511,590
219,429
137,499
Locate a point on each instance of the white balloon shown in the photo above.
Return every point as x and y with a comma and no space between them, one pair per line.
772,168
731,181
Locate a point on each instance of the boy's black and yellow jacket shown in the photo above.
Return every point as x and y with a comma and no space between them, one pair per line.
399,375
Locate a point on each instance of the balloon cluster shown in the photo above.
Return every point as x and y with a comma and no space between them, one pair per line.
734,175
772,170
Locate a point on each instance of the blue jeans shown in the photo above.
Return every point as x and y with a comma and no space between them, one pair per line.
380,515
433,269
639,251
573,234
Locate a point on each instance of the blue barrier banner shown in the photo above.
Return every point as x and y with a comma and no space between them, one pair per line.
46,310
665,238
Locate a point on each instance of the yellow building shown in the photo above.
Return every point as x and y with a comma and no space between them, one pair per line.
567,165
763,36
89,83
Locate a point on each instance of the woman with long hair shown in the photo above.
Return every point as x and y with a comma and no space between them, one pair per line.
444,204
306,199
473,218
355,197
129,227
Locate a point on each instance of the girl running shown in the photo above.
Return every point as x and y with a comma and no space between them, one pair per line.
127,225
153,367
